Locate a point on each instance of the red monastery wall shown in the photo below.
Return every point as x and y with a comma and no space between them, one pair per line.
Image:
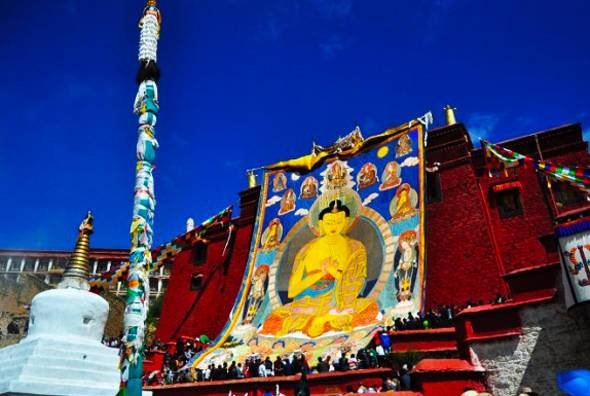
460,257
188,312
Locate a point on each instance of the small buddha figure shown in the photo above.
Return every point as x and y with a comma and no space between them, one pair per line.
329,272
309,188
391,176
336,176
406,265
287,202
404,146
403,204
271,237
367,176
279,182
257,292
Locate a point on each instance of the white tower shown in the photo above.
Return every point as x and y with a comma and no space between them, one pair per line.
62,353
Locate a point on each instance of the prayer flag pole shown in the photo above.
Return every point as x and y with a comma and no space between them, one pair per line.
140,258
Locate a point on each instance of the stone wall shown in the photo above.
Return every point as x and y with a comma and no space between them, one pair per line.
551,341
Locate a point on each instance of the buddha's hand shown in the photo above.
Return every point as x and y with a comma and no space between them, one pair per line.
330,266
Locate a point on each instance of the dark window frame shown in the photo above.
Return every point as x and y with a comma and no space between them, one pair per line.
199,253
566,194
197,281
505,212
433,187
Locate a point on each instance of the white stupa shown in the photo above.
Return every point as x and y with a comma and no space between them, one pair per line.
62,353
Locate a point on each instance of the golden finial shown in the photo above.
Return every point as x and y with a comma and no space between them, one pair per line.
251,179
450,113
77,269
151,3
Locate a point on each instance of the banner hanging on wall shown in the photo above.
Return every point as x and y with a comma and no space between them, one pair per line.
574,245
338,250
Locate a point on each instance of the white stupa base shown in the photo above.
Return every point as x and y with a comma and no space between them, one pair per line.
54,366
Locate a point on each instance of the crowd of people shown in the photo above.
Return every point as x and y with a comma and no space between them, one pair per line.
295,364
376,354
442,316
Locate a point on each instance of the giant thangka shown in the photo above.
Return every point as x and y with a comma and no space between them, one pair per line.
574,246
338,250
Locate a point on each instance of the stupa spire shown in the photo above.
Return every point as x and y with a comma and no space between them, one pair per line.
77,271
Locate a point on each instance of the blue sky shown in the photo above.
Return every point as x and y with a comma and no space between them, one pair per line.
247,83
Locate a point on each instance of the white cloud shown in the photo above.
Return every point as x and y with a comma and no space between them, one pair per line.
481,126
295,176
301,212
272,200
370,198
410,161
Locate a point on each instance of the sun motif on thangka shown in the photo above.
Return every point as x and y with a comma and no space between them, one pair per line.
404,203
309,188
404,146
271,237
279,182
287,202
391,176
367,176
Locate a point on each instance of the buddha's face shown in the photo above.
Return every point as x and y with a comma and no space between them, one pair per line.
333,223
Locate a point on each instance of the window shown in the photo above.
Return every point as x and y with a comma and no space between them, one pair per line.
196,282
199,253
509,202
433,187
566,194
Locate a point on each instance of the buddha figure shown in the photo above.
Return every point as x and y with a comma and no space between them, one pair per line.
403,204
279,182
404,146
367,176
271,237
309,188
256,294
328,274
406,265
391,176
287,202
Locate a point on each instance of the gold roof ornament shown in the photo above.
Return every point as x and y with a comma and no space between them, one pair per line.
77,270
252,179
450,114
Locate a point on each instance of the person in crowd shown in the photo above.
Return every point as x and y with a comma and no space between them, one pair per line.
352,362
362,388
262,370
278,367
388,385
405,378
239,371
287,366
302,388
269,367
343,364
322,366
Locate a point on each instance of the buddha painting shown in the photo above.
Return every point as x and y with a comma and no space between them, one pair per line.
403,205
287,202
257,292
391,176
328,274
406,265
279,182
404,146
367,176
271,237
309,188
